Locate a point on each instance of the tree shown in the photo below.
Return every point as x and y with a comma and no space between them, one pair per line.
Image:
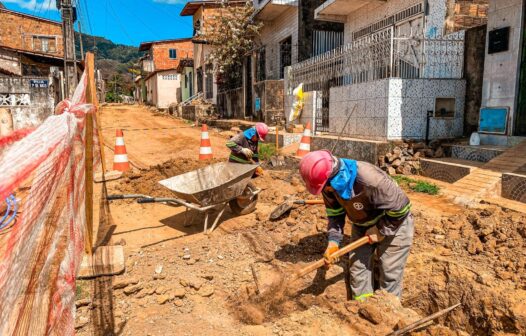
232,35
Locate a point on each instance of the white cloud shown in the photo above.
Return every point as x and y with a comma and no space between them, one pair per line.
34,5
171,2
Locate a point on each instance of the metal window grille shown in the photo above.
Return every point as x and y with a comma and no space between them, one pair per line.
209,84
323,41
285,56
389,21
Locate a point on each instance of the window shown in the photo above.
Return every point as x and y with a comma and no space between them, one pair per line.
47,44
445,107
209,82
261,64
285,55
173,53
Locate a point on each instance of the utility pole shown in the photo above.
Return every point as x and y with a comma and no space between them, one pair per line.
81,42
68,34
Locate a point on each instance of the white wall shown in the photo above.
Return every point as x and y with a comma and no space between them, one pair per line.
500,87
168,83
396,109
274,32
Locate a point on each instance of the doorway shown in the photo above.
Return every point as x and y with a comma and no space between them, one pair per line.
520,118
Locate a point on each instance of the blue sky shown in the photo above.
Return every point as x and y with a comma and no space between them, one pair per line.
127,22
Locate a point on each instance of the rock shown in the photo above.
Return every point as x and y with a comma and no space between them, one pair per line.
196,284
407,170
439,152
158,269
391,171
82,302
484,279
183,282
396,163
475,247
191,261
160,290
119,284
206,291
179,293
186,257
121,242
371,313
132,289
145,293
208,276
418,145
290,222
163,299
504,275
81,322
179,303
159,277
417,155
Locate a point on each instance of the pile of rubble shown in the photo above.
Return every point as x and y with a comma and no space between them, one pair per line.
404,159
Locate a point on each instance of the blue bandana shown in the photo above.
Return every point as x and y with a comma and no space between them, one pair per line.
249,133
343,182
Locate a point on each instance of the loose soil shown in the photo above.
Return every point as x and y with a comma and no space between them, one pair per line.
179,281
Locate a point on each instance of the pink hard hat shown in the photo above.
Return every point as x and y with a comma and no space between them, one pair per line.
315,169
262,130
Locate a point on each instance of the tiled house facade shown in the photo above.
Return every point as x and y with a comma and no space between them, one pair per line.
401,66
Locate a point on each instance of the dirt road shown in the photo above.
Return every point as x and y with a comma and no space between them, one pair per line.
179,281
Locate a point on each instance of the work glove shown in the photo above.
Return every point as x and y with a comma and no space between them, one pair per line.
247,152
259,171
374,235
331,248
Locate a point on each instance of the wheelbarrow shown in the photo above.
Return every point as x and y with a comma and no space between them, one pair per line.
207,189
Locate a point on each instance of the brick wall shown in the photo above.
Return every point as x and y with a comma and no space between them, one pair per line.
161,54
17,31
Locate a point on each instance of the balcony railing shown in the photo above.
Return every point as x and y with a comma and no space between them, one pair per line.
380,56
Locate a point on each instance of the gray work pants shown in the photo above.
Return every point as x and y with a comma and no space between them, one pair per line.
392,253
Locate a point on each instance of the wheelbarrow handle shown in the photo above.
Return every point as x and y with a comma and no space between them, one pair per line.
146,200
124,196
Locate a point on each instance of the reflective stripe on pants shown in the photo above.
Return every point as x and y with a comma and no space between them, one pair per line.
392,257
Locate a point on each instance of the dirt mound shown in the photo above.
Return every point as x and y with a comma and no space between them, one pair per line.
475,258
146,181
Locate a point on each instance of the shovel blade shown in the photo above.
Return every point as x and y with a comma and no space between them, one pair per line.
280,210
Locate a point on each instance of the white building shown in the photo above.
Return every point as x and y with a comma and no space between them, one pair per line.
401,66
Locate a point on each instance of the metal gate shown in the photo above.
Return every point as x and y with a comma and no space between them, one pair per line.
322,108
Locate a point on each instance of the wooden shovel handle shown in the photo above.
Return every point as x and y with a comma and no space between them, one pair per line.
344,250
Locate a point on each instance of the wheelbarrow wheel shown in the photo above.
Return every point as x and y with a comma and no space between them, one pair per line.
246,203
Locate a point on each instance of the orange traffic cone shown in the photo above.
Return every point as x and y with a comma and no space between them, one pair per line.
205,151
304,148
120,160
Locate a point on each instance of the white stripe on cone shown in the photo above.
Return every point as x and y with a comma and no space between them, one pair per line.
119,141
304,146
120,158
307,132
205,150
204,135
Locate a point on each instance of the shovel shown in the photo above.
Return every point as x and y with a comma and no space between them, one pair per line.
286,206
317,264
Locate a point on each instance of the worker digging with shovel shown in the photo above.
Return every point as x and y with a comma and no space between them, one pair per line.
244,146
377,208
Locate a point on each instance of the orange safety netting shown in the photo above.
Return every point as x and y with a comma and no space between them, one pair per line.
41,251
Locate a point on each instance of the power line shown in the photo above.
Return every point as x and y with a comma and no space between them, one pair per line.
178,18
140,20
120,23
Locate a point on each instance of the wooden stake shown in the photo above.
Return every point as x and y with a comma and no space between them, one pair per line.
91,98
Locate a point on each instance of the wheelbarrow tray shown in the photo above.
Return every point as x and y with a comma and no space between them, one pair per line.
214,184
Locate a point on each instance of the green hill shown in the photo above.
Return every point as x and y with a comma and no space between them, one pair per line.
116,62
